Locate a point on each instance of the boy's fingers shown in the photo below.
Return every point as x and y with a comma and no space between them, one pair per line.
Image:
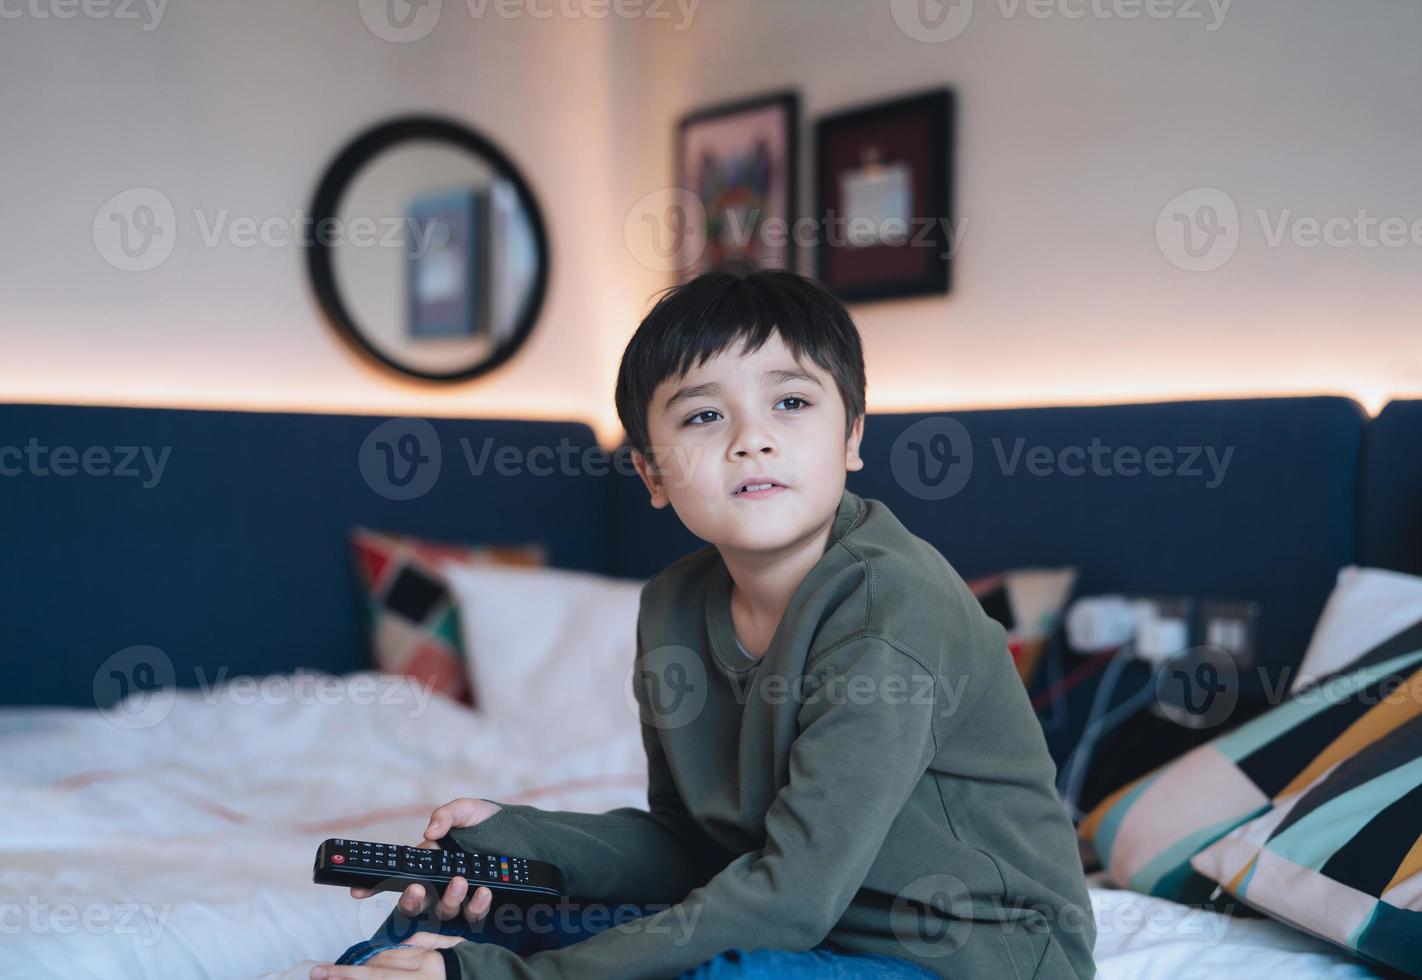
334,972
455,813
433,940
440,821
479,905
360,893
392,957
412,900
452,898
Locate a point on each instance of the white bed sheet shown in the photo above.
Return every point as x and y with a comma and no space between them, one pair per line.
184,849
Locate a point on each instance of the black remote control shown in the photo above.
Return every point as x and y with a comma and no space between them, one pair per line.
391,867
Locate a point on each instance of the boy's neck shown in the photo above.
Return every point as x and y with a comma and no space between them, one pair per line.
762,585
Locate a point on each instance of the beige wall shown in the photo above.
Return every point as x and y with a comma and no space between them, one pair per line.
240,106
1074,134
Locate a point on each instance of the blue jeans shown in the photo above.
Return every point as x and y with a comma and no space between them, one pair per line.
572,923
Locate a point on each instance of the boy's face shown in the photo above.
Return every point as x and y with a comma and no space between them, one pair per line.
739,416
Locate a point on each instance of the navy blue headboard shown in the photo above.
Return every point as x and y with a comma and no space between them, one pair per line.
236,556
1391,511
1274,526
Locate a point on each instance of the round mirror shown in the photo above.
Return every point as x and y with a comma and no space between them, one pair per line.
427,250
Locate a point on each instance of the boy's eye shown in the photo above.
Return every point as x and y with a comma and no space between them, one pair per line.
802,403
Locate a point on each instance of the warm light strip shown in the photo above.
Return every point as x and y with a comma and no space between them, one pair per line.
604,422
1371,399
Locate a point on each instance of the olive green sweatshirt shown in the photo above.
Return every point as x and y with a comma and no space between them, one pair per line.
876,782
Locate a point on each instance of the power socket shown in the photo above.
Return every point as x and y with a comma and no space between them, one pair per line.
1200,688
1162,626
1232,625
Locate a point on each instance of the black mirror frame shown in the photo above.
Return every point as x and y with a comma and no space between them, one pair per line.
319,254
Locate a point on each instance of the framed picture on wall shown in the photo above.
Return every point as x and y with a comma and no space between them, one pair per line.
884,197
738,161
447,248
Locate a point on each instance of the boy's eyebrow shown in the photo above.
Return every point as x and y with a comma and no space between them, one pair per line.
774,376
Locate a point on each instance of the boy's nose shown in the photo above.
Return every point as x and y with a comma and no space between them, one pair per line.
754,444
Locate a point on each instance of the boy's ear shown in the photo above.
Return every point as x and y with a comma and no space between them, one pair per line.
651,479
851,450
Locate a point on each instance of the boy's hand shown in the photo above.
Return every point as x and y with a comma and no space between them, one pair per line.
408,964
463,812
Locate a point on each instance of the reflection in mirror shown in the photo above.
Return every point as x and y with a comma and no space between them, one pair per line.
437,262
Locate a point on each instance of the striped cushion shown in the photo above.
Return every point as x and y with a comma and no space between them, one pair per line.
1147,831
413,621
1342,859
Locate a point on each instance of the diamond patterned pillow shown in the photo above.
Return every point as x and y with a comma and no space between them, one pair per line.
413,622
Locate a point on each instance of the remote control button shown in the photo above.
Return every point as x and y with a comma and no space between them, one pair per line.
338,859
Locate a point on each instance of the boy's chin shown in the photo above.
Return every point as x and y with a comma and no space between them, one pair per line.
749,539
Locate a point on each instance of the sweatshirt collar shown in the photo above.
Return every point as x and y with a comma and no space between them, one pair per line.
719,624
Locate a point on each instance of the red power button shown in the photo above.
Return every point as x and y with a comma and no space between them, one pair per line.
338,859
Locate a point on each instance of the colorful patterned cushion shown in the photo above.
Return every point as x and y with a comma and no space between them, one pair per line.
1146,832
1028,603
413,623
1366,606
1342,859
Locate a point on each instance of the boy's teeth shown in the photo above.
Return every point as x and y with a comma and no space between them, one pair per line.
758,486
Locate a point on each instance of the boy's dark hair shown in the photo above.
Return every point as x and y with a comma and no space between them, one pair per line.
698,319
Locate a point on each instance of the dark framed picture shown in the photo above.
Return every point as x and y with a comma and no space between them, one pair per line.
447,248
739,161
884,198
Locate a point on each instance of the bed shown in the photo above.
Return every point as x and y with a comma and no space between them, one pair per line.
194,837
184,848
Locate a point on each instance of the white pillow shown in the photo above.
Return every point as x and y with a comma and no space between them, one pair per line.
550,651
1366,607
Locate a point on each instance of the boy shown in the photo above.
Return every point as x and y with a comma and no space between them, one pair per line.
847,778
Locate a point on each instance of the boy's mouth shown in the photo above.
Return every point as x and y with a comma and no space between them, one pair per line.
758,487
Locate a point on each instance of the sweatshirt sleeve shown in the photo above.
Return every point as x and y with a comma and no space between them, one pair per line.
652,856
864,742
